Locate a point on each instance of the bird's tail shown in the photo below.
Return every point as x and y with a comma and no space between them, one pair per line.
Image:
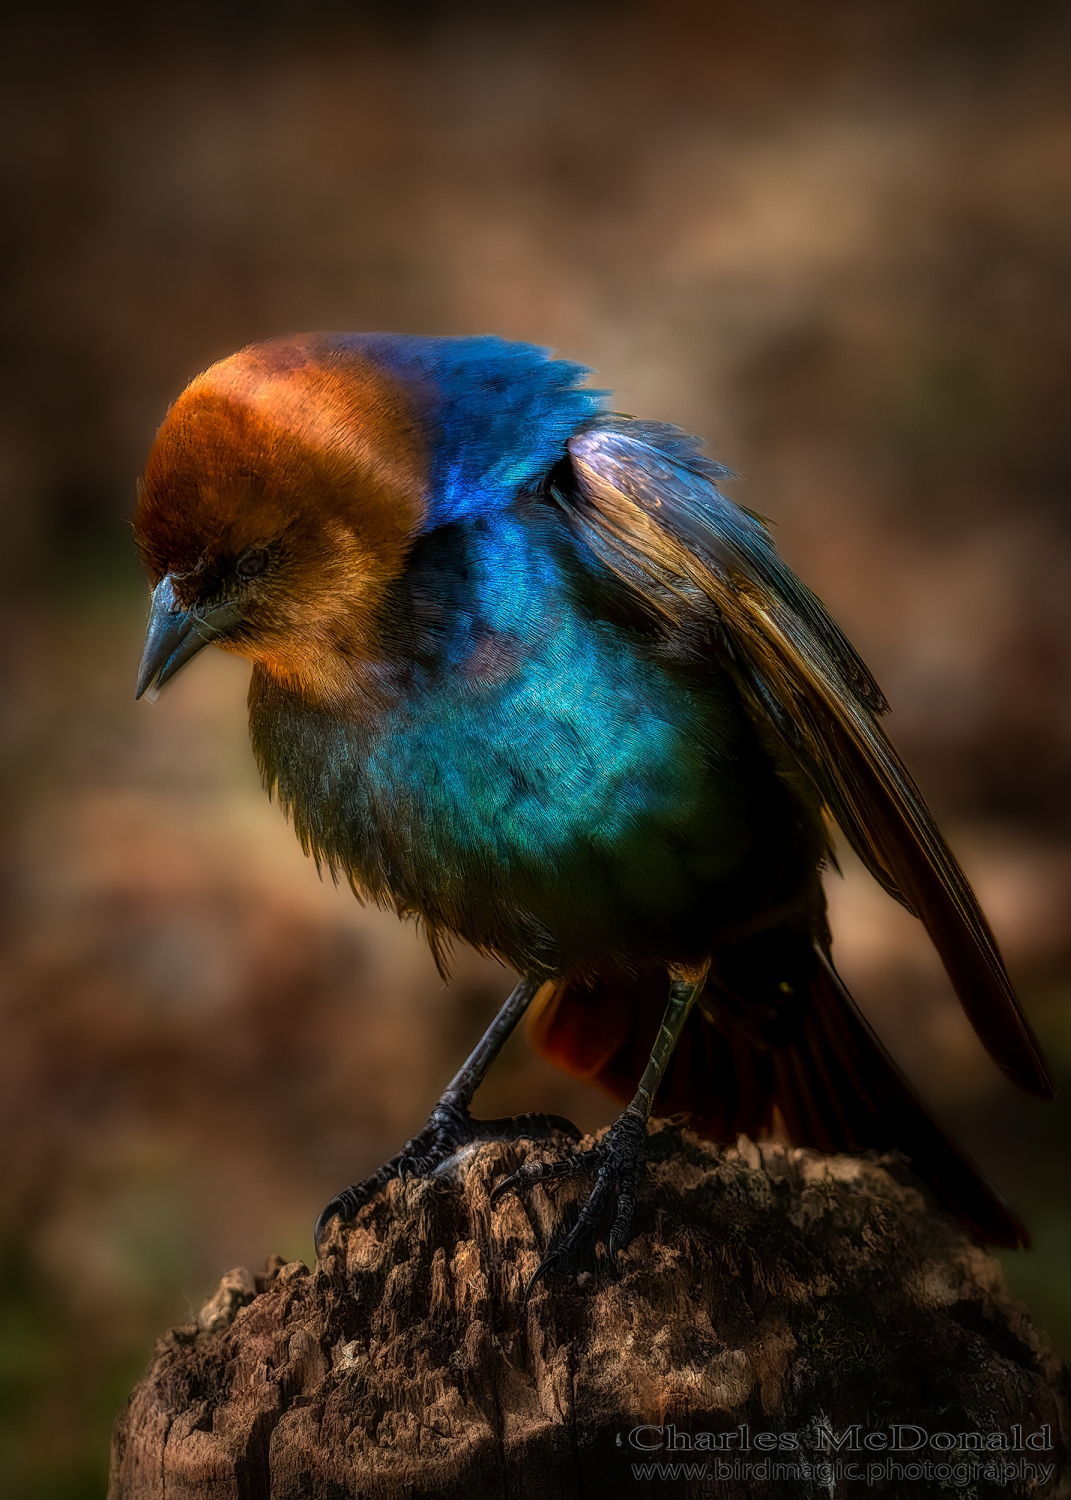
758,1044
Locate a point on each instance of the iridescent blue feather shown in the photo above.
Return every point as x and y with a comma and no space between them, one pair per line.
498,414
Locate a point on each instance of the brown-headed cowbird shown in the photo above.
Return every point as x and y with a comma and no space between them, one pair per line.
522,671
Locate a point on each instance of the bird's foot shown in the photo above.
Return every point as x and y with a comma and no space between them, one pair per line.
615,1165
450,1127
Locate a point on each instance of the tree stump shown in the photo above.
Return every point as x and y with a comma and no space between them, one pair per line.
782,1316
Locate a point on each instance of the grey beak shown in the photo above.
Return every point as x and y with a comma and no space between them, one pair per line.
176,634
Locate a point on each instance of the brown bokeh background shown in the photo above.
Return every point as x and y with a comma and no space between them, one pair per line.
832,237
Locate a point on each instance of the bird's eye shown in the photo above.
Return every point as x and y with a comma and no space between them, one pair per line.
253,563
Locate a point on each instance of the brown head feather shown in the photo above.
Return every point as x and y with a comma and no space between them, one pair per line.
312,455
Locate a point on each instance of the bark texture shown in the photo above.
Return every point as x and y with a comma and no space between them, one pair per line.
766,1291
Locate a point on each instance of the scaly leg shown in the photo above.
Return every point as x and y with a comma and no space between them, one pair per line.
615,1162
450,1125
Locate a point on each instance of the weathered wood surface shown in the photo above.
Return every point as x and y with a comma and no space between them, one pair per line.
773,1288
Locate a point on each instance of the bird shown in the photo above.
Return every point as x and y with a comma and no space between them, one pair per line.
523,672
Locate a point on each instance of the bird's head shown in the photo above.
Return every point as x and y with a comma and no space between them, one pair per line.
288,483
281,497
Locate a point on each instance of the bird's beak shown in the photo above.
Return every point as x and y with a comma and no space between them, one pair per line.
176,634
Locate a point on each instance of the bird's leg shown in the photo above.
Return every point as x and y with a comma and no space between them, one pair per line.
615,1161
450,1125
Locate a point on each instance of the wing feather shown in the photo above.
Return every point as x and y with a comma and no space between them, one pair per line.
646,504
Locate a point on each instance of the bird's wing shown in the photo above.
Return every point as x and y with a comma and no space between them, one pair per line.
645,502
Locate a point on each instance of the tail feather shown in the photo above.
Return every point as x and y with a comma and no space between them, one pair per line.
879,1108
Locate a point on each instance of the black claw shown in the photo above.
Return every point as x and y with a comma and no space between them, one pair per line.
524,1177
615,1164
537,1276
344,1206
499,1192
529,1127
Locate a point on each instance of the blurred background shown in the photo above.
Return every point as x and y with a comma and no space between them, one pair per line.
832,238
